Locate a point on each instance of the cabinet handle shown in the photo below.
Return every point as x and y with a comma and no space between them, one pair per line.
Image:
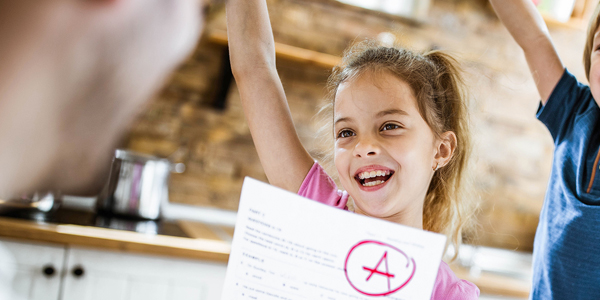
78,271
49,270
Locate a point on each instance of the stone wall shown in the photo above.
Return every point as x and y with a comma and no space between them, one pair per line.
513,151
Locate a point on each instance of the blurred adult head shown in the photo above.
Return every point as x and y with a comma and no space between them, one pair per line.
73,75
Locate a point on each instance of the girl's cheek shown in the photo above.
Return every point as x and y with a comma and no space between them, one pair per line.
343,143
341,158
339,152
595,76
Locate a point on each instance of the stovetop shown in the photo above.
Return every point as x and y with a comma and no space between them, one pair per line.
85,218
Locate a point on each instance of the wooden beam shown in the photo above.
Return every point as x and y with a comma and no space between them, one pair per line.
297,54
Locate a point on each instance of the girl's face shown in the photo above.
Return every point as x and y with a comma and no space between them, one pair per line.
384,150
595,67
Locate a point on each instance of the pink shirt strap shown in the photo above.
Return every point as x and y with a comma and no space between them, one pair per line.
320,187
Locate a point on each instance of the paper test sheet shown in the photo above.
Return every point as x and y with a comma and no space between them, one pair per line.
287,247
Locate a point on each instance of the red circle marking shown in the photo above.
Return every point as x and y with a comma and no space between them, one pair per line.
382,244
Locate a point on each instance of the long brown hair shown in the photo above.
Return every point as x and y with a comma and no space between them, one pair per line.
435,80
589,43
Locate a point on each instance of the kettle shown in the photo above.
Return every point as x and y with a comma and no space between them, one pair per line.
137,185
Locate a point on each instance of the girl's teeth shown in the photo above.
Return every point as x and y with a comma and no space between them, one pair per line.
365,175
373,183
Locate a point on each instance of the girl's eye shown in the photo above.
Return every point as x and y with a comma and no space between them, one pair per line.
390,126
345,133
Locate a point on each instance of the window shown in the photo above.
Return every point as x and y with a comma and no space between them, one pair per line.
406,8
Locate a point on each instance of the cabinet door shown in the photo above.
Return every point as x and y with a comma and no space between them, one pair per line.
98,275
32,269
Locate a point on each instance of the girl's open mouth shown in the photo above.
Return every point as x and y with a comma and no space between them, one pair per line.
373,178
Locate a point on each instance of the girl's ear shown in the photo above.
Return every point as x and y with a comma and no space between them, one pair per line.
445,149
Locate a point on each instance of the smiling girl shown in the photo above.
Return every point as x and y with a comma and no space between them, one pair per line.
400,128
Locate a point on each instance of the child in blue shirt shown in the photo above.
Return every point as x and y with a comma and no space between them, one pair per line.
566,254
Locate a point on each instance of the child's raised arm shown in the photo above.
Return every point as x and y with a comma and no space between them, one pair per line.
527,27
252,52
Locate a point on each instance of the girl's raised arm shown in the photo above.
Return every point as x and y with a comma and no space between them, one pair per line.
529,30
252,52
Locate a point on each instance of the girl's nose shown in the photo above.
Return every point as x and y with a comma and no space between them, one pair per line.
366,147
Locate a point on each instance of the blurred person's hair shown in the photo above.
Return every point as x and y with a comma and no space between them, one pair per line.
589,44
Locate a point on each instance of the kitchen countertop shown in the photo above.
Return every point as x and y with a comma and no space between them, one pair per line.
495,284
183,239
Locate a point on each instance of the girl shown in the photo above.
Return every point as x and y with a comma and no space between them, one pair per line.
400,127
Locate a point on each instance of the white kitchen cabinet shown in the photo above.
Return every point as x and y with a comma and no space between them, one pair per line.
35,268
90,274
94,275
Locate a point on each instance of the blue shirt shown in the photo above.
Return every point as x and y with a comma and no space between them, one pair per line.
566,251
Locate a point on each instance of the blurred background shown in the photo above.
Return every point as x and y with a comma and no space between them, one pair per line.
199,110
198,114
197,119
